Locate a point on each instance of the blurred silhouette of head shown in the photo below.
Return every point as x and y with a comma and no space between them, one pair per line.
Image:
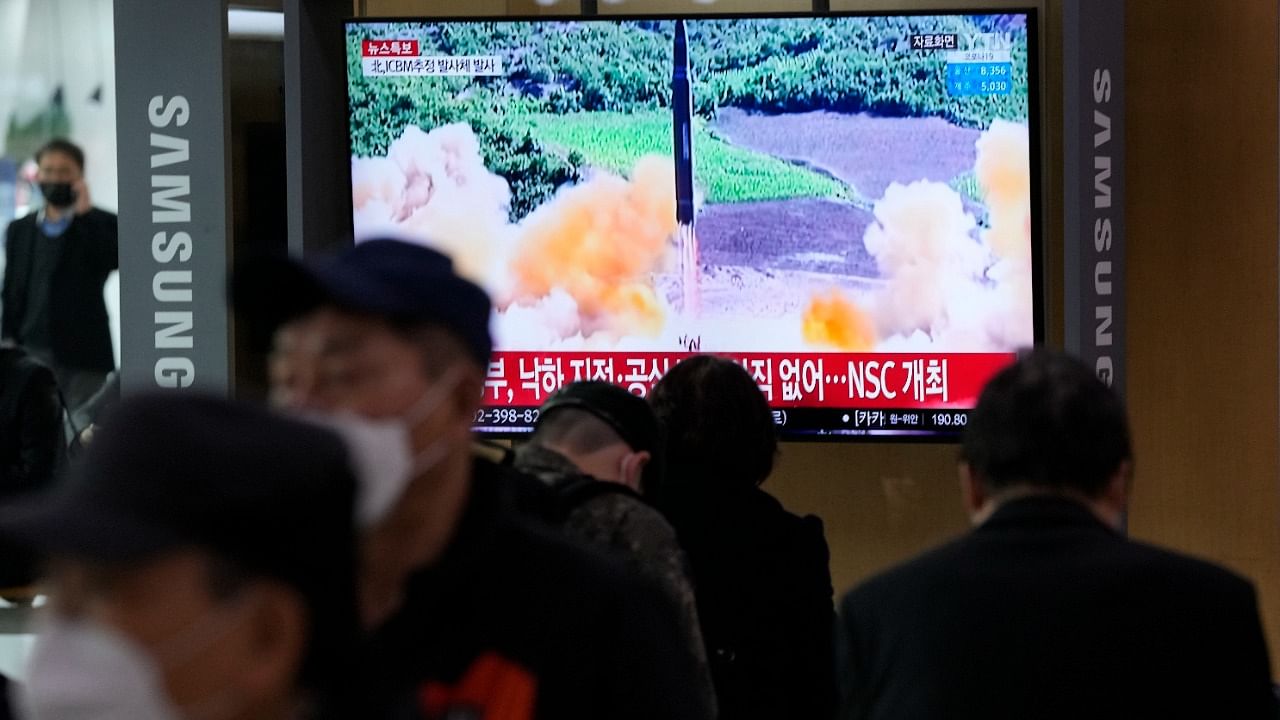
603,429
384,330
719,430
202,558
1047,424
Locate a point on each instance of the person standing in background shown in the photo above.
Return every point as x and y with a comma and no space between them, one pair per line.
1045,609
594,445
57,260
760,573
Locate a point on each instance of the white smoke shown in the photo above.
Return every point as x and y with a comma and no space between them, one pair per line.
433,188
948,287
923,244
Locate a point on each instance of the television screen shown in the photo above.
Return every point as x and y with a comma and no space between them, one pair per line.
845,204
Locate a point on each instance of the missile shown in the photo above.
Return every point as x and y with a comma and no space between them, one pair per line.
682,129
682,117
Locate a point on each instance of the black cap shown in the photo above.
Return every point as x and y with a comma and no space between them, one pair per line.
393,279
272,496
629,415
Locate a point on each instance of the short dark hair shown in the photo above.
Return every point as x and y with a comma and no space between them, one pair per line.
578,431
717,423
64,146
1047,421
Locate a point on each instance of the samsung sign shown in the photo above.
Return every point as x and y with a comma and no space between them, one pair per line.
1093,181
171,244
171,123
1103,228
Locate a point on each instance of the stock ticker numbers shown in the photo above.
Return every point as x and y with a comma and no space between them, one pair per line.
955,419
907,421
507,417
980,78
976,65
979,73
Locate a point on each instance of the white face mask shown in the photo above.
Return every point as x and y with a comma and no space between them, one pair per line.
80,670
84,670
381,450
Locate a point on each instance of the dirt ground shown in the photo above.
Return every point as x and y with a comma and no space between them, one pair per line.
809,234
864,151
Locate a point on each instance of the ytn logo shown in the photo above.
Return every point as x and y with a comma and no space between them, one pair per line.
988,41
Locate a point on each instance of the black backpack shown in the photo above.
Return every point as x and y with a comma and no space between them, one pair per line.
19,373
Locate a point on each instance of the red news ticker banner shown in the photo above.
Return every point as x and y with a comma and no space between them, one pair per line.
834,380
389,48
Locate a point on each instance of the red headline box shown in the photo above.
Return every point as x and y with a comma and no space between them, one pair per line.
389,48
833,380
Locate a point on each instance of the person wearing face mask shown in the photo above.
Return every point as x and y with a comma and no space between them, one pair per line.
57,260
594,446
471,609
202,563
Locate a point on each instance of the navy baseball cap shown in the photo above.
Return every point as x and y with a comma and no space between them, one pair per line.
400,281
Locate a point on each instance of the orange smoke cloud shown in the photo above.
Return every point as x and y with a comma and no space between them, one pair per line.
376,179
1003,169
599,242
834,320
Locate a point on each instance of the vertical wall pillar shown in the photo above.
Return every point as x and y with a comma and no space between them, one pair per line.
1094,184
173,140
315,116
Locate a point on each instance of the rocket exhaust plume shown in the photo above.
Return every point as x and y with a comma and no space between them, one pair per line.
833,320
682,129
596,246
433,188
922,242
944,287
1003,170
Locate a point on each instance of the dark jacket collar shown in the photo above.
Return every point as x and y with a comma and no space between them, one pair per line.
543,463
1043,510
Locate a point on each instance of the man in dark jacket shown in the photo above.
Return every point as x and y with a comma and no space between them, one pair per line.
56,263
593,445
1046,610
471,611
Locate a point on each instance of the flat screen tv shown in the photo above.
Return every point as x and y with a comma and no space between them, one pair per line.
846,204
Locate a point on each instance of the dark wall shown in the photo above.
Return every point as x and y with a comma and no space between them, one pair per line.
258,183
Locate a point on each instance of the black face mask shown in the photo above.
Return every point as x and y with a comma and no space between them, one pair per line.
58,194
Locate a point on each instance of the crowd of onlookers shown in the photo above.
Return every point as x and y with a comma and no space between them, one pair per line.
346,553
